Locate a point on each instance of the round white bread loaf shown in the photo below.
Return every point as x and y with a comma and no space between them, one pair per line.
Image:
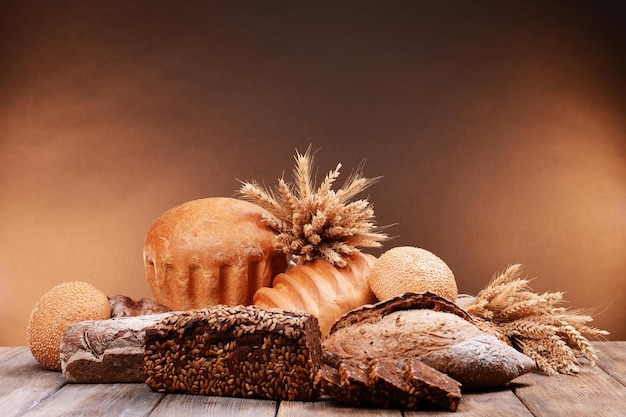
210,251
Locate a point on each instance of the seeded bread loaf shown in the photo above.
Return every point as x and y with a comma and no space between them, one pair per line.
106,351
238,351
430,328
319,288
210,251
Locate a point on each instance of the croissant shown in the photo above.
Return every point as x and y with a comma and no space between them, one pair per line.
321,289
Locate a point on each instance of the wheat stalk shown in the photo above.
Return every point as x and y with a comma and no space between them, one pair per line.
552,336
318,222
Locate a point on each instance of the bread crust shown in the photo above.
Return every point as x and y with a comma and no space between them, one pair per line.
106,351
430,328
123,306
321,289
210,251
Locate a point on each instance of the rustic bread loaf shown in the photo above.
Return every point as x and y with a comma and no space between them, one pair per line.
210,251
430,328
105,351
319,288
239,351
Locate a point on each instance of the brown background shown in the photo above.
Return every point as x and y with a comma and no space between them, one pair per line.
499,128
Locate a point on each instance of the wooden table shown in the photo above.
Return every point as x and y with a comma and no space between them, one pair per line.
27,389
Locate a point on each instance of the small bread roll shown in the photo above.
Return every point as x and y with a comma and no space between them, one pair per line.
211,251
56,310
409,269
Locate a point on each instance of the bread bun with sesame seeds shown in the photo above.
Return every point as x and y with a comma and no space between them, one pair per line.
406,269
55,311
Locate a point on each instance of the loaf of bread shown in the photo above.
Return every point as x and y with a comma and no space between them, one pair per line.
430,328
238,351
319,288
408,384
123,306
106,351
211,251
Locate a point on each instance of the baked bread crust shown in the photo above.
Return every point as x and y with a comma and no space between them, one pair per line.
123,306
319,288
106,351
210,251
430,328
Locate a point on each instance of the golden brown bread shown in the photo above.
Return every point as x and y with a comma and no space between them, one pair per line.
321,289
210,251
55,311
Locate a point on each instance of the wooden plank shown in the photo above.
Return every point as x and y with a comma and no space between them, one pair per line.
24,383
592,392
26,388
126,400
494,403
8,352
204,405
612,359
329,408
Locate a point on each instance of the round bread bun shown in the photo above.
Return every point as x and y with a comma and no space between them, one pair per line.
409,269
56,310
211,251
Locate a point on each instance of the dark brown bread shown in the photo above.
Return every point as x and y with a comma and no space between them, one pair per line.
410,385
432,386
238,351
355,378
386,377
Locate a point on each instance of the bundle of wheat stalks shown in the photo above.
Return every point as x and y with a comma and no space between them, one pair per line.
318,222
552,336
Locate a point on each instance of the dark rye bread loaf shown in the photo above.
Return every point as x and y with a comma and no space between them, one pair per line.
430,328
237,351
410,384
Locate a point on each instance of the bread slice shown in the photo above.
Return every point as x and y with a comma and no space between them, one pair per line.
411,385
